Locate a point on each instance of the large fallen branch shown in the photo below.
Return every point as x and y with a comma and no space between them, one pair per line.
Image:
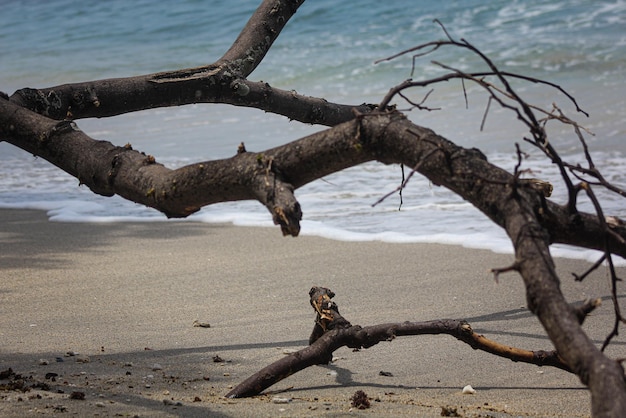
41,122
272,175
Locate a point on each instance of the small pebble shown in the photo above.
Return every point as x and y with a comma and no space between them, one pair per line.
77,395
100,404
82,359
289,351
156,367
332,373
43,362
468,390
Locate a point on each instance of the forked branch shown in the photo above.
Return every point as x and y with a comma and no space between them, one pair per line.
332,331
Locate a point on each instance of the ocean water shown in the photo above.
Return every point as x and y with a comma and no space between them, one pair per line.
328,50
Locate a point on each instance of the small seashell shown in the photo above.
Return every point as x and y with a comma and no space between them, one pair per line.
43,362
200,324
156,367
469,390
276,399
289,351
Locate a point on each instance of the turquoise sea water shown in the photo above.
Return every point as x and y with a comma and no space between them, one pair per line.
327,50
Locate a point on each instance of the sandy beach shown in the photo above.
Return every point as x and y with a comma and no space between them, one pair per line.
108,310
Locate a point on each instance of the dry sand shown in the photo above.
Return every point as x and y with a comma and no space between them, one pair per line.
123,298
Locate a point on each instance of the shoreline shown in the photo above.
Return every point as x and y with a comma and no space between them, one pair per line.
126,295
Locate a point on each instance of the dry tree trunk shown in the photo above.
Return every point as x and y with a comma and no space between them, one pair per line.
41,122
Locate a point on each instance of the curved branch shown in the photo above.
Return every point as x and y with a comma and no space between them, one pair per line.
108,169
259,34
332,332
386,137
116,96
221,82
364,337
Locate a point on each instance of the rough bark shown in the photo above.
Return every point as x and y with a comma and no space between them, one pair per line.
41,122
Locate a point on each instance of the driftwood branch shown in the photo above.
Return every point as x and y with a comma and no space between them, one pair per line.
387,137
40,121
332,331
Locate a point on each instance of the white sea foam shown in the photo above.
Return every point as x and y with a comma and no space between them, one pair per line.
327,50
